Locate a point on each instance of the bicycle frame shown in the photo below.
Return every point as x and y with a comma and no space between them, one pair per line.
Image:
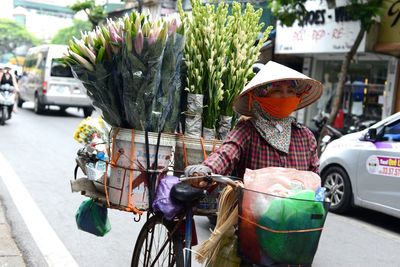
188,238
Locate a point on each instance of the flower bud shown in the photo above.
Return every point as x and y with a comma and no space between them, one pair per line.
139,42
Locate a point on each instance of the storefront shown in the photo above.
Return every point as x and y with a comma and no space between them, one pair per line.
322,41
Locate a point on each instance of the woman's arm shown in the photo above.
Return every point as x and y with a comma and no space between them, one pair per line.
314,160
225,159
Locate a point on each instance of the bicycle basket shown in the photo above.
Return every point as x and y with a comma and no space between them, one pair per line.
279,230
127,185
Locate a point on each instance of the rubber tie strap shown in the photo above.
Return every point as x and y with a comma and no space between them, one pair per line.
281,231
134,210
203,148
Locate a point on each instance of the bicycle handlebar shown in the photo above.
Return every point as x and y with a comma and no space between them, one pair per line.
222,179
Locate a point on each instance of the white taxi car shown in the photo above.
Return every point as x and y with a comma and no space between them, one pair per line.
363,169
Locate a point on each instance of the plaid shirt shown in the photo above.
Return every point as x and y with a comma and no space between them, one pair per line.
245,148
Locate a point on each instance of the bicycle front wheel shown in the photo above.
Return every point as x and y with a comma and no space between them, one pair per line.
157,245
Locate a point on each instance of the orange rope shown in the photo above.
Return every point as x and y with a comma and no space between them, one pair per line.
112,161
214,145
203,148
280,231
131,207
130,167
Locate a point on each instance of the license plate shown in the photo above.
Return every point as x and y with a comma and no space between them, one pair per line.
60,89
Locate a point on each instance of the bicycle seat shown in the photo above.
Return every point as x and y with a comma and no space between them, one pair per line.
186,194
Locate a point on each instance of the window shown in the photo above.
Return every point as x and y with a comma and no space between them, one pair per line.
59,68
392,132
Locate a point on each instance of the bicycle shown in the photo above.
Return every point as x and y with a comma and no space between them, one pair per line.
175,248
173,240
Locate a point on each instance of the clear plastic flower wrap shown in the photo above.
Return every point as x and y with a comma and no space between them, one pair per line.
131,69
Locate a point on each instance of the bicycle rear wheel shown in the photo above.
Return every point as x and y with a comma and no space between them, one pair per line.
154,247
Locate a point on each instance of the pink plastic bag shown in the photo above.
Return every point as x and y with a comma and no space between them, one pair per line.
273,181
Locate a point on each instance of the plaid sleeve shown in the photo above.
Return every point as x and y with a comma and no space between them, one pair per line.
314,160
225,159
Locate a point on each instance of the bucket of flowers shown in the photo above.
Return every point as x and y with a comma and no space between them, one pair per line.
131,68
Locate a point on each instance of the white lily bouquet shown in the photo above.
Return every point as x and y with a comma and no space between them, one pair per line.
131,69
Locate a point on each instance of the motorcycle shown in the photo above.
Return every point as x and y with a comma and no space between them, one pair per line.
329,133
319,121
359,123
7,101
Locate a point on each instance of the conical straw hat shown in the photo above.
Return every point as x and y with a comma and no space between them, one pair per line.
273,72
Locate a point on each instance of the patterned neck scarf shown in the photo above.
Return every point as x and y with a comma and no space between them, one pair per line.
276,132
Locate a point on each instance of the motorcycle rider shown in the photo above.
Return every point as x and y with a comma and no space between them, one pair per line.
6,77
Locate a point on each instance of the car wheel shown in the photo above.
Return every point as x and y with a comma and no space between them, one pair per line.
38,106
19,101
87,112
338,188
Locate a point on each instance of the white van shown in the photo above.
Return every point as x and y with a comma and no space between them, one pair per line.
47,80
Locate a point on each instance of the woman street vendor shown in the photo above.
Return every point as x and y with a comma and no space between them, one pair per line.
269,137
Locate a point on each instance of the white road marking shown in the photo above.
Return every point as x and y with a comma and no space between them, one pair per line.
53,250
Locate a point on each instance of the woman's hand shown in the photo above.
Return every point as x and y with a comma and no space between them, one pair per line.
197,170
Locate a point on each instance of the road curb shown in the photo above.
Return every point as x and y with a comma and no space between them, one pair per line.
10,255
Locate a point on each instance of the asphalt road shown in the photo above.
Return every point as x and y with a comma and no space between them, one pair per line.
41,152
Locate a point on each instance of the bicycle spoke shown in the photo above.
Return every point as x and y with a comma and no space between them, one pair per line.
158,245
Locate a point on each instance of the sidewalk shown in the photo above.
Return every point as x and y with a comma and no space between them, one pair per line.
10,255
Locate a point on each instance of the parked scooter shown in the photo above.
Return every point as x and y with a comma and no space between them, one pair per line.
319,120
329,133
358,123
325,131
7,100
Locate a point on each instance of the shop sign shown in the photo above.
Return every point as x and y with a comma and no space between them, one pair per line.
389,28
324,30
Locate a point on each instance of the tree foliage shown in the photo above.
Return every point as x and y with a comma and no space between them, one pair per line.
13,35
96,13
365,11
64,35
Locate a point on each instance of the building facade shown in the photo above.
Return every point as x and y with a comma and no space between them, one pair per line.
320,43
42,18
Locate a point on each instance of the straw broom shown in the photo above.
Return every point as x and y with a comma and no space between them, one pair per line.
227,218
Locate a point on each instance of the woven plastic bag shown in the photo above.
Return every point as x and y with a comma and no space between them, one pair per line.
92,218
